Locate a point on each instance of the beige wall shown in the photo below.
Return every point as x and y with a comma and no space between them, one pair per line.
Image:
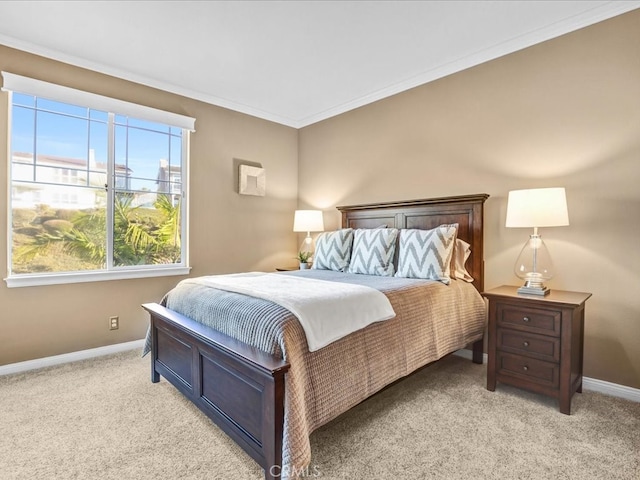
562,113
229,232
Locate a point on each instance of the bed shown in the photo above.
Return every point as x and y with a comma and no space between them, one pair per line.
266,391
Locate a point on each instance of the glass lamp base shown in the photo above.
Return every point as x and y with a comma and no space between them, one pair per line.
539,290
534,266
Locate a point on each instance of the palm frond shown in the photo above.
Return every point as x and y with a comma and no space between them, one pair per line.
78,243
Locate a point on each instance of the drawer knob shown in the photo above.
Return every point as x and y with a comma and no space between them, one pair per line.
525,368
526,344
525,319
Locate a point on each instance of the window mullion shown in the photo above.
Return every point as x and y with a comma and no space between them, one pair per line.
110,187
184,203
10,192
35,142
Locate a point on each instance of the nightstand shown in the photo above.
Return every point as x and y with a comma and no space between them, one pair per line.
536,342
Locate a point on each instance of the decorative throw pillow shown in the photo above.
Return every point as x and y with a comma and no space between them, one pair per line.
427,253
452,265
461,255
373,251
333,250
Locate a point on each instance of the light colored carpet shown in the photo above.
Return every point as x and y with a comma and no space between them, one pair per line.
95,420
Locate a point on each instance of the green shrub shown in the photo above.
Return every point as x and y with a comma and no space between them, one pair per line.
57,226
29,231
65,214
21,217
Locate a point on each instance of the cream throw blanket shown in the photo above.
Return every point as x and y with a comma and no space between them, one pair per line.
326,310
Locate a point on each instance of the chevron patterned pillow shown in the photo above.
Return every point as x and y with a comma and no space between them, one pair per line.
333,250
427,253
373,251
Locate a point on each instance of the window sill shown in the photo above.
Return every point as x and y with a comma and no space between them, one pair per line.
34,280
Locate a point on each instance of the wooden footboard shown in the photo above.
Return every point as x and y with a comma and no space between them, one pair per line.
237,386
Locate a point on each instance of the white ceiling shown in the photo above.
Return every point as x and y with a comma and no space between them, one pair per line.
294,63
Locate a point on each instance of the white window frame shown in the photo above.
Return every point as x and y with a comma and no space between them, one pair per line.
38,88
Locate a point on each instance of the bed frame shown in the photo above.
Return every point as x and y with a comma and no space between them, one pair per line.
240,388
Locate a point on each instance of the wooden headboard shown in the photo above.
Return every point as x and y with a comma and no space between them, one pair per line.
465,210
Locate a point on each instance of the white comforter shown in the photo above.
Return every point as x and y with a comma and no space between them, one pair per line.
326,310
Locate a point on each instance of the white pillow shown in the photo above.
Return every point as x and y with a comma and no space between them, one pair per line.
427,253
462,252
373,250
333,250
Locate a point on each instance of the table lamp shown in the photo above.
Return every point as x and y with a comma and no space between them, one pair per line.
308,221
540,207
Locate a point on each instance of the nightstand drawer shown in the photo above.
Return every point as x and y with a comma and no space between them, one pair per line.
537,371
545,322
532,345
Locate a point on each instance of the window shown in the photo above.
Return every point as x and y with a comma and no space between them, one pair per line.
96,186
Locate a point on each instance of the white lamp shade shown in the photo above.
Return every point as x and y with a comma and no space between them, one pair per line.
539,207
308,221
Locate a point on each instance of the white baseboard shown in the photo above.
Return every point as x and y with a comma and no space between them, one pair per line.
592,384
613,389
69,357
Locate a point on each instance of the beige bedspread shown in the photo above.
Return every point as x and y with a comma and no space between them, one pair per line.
432,320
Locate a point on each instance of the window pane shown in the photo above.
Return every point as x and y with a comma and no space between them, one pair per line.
98,151
59,107
22,99
57,228
176,152
120,133
61,175
22,129
22,171
98,115
98,138
62,136
146,229
98,178
128,183
176,185
145,152
157,127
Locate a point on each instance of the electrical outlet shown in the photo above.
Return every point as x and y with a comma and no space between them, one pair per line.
114,323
